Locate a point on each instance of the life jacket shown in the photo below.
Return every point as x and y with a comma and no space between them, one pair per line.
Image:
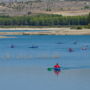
57,66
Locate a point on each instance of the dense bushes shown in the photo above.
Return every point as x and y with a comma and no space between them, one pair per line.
45,20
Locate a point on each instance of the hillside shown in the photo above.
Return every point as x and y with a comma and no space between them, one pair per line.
47,7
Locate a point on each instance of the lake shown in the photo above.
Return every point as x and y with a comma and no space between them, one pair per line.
25,68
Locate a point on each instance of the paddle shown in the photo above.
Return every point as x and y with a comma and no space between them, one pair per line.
49,69
68,68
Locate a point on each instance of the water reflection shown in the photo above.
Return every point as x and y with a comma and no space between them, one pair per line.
28,56
57,72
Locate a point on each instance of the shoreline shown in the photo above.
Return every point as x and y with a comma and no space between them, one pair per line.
34,28
49,31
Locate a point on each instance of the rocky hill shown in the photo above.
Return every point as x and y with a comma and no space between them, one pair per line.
48,7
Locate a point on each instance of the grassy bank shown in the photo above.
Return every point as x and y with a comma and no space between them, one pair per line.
66,26
80,27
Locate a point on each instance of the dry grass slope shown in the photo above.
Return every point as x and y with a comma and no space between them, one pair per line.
49,7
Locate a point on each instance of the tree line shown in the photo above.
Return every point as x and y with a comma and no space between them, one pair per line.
44,20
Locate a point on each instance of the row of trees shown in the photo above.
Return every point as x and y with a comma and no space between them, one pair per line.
45,20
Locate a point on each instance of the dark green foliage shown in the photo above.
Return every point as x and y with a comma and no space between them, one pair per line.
89,19
79,27
87,7
45,20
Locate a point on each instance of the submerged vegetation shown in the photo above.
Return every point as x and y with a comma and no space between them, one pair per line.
45,20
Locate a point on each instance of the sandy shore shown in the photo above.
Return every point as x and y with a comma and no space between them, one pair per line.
49,31
32,28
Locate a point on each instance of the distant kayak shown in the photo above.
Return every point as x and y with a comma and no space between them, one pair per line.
70,50
84,48
12,46
34,47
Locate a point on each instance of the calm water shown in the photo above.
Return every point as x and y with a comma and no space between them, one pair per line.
25,68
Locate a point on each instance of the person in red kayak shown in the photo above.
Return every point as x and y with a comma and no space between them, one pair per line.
57,66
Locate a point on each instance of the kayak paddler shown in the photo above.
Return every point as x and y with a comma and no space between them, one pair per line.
70,49
57,67
12,46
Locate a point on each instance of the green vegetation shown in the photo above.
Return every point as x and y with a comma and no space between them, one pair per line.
79,27
87,7
44,20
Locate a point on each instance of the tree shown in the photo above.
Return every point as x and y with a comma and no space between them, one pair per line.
89,18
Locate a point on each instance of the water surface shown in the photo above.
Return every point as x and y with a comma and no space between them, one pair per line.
25,68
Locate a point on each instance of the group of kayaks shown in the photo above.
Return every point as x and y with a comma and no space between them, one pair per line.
72,50
33,46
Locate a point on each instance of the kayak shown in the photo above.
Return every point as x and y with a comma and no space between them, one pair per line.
55,69
34,47
12,46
